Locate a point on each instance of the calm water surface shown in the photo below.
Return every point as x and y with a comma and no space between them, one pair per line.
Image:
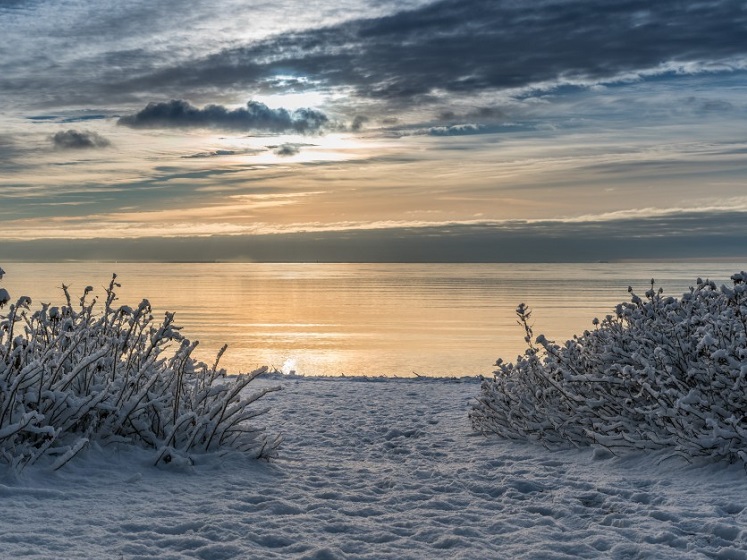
366,319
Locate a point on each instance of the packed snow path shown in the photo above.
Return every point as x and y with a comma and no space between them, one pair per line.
377,469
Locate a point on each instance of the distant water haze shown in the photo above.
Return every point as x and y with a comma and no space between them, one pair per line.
366,319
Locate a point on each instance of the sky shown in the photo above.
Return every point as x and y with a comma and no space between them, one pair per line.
373,130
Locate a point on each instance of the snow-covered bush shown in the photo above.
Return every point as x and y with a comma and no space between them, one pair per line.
4,295
661,372
89,371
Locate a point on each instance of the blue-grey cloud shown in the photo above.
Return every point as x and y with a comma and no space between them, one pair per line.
78,140
456,130
359,121
446,48
223,153
464,47
287,150
692,235
83,118
67,119
255,117
8,149
16,4
710,105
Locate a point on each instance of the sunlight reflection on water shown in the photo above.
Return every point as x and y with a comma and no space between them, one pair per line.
366,319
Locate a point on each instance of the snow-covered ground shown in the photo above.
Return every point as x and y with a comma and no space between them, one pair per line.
377,469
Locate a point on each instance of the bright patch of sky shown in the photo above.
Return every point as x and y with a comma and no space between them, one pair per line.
160,120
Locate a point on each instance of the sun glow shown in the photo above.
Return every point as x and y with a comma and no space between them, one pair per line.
293,101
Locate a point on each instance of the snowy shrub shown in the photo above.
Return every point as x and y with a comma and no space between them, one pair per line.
86,371
661,372
4,295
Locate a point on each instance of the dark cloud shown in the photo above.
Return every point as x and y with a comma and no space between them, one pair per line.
67,119
83,118
462,47
221,153
287,150
442,49
358,122
214,153
678,236
78,140
480,113
17,4
255,117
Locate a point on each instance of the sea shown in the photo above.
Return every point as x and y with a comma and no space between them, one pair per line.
400,320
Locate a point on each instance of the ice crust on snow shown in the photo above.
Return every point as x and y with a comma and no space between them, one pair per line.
376,469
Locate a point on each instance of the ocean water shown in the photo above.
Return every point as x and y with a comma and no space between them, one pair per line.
366,319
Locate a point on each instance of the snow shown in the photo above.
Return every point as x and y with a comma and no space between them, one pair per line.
376,468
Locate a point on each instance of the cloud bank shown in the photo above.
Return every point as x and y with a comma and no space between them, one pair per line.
255,117
676,237
466,47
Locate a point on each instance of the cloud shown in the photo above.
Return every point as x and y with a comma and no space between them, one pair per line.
287,150
710,105
466,47
78,140
8,149
76,118
223,153
83,118
684,236
456,130
474,52
255,117
358,122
